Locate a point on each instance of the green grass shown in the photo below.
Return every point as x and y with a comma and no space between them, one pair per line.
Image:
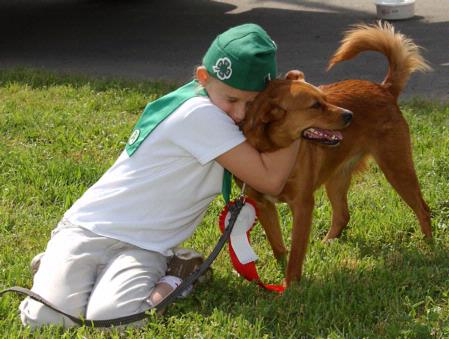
60,133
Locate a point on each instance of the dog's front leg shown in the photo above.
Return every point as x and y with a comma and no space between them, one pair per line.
269,219
302,209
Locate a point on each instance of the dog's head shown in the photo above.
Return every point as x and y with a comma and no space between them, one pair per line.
289,109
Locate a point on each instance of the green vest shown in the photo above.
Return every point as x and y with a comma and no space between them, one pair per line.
156,112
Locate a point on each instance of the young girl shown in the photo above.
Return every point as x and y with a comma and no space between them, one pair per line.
108,256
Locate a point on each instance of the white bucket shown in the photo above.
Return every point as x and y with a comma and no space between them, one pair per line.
395,9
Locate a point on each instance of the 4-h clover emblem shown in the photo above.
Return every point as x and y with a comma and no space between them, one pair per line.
223,68
134,136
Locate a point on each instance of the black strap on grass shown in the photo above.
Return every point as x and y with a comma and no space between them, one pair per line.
233,209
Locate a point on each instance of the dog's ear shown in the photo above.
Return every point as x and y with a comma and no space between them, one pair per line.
256,110
266,107
295,74
273,112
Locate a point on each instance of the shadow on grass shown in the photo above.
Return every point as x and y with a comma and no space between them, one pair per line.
36,78
398,294
402,294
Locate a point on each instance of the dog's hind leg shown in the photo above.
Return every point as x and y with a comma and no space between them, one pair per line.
337,189
268,218
394,157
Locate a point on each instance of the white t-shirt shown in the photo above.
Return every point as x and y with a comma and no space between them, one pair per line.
155,198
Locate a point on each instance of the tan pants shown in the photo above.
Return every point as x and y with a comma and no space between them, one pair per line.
88,275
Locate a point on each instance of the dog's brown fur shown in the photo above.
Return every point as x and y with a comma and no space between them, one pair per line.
287,107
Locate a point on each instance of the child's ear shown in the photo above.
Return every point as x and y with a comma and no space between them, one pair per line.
201,75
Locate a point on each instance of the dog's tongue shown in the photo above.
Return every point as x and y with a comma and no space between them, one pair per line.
323,134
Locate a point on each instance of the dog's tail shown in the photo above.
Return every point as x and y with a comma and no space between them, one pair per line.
403,55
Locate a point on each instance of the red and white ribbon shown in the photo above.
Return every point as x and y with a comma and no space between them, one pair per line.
242,255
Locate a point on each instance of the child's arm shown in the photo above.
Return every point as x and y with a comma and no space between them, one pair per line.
265,172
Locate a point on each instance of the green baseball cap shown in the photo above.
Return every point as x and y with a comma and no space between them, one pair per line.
243,57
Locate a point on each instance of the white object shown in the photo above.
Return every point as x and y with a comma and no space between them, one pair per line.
239,239
156,198
395,9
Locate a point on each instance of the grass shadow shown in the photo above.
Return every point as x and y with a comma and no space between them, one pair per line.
397,296
37,78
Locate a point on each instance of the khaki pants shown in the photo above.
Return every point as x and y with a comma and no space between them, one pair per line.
88,275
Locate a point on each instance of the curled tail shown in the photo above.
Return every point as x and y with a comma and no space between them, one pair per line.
403,55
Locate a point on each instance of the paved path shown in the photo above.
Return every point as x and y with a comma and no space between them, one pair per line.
156,39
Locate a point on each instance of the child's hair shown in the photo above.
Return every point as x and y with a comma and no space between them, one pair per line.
243,57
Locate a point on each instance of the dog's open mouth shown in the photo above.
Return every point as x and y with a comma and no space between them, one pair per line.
323,136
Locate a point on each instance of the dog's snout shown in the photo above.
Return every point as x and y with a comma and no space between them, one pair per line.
347,117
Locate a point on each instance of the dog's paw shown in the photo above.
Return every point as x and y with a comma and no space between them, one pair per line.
328,240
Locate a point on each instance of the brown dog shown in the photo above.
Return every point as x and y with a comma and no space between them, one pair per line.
292,107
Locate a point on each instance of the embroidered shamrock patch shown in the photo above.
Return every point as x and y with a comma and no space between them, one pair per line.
134,136
223,68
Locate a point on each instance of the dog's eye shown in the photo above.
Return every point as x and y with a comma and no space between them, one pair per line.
316,105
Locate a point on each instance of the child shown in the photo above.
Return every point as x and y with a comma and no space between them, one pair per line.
108,256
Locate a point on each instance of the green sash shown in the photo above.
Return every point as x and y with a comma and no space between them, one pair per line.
156,112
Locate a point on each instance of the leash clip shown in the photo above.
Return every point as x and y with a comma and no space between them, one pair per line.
242,196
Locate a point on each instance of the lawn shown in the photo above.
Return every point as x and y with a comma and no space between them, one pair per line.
380,279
